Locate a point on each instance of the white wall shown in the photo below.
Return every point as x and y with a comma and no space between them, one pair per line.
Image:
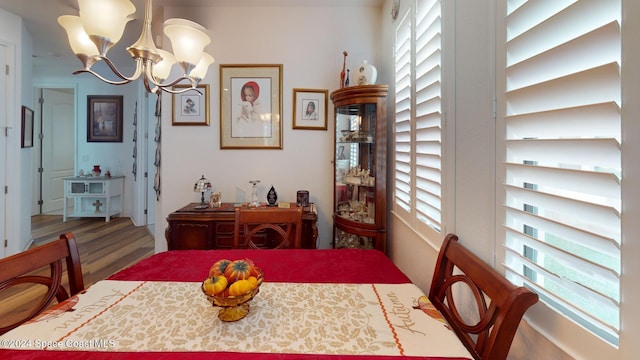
17,213
308,41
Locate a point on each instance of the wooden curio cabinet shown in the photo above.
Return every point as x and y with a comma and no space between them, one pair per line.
360,169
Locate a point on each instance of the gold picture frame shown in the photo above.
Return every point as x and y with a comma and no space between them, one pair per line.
310,109
251,106
191,108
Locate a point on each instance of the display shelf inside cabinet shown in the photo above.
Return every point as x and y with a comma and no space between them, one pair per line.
360,167
93,196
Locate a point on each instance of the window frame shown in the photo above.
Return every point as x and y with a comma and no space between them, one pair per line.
447,148
563,332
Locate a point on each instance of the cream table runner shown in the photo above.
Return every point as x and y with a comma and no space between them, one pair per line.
355,319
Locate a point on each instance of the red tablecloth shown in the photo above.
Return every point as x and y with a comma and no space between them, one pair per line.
311,266
319,266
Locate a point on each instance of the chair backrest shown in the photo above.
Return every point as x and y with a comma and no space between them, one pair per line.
490,338
21,269
275,227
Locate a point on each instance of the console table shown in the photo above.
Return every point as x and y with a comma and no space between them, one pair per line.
212,228
94,196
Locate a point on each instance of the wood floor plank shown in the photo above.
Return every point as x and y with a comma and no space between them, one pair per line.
105,248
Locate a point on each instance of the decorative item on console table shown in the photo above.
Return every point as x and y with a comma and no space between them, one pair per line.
202,185
272,197
212,228
360,167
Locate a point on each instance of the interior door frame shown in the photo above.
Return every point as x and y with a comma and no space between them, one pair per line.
37,160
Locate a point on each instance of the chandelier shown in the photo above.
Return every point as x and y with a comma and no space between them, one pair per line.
100,26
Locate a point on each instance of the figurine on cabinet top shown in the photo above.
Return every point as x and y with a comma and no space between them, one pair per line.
215,200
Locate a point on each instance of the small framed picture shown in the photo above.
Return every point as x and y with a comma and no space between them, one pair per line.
27,127
310,109
104,118
191,108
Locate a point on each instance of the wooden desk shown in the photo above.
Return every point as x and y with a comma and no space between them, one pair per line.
212,228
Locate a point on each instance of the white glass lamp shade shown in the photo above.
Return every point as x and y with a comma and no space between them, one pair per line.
188,39
198,73
202,185
106,18
162,69
78,38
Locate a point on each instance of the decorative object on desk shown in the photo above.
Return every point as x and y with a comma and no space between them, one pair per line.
215,200
27,127
310,109
81,172
107,174
251,106
201,186
96,170
254,193
366,74
344,66
230,285
272,197
346,81
302,198
104,118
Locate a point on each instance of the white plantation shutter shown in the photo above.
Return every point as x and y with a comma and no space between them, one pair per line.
403,171
428,113
418,116
563,158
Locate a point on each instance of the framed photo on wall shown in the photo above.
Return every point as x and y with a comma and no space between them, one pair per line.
251,106
27,127
191,108
310,109
104,118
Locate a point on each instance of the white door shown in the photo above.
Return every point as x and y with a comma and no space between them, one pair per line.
57,146
3,148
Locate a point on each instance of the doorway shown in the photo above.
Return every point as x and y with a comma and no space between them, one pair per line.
55,152
3,148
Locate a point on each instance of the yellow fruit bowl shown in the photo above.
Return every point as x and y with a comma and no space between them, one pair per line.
234,308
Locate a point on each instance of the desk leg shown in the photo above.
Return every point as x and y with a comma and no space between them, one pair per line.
64,210
108,216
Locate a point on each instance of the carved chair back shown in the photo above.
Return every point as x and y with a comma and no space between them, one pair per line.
490,338
23,268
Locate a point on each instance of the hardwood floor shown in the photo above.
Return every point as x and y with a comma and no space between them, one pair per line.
104,249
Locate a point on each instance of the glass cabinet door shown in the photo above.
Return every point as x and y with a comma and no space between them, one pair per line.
356,162
360,167
78,187
96,188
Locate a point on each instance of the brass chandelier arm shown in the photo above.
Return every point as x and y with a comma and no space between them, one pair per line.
123,82
125,79
150,79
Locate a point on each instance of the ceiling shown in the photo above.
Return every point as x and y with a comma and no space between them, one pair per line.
50,40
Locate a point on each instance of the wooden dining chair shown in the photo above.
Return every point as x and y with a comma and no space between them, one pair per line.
490,338
25,268
267,228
